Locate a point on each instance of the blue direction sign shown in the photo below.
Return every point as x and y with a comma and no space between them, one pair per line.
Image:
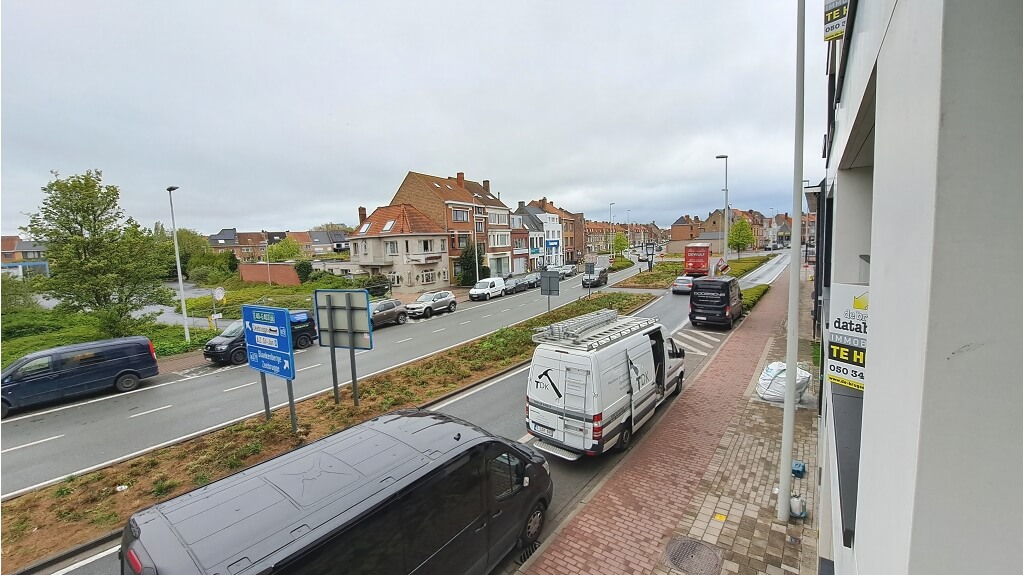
268,340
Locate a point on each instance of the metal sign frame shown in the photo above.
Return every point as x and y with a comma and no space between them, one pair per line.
343,320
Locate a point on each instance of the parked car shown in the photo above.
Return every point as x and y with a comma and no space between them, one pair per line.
641,256
532,280
388,311
560,269
570,270
78,369
488,288
682,284
514,285
229,346
432,302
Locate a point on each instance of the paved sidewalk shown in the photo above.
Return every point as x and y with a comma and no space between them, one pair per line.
701,485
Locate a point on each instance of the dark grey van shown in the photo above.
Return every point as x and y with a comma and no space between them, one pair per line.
598,278
715,300
79,369
408,492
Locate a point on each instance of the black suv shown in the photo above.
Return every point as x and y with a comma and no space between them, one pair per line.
229,346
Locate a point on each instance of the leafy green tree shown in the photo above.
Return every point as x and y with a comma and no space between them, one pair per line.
740,235
286,249
333,227
303,269
230,260
101,263
17,294
620,243
468,260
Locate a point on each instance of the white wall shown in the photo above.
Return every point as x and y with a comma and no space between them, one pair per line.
940,475
851,225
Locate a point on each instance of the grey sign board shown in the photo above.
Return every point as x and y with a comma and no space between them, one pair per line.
549,283
343,318
588,268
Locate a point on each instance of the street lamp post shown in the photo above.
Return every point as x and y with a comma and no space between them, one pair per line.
629,229
177,262
611,229
725,235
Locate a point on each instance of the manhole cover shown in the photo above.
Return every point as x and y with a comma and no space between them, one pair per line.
693,557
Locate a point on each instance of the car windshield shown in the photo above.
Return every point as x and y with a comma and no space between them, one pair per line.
482,285
426,297
233,329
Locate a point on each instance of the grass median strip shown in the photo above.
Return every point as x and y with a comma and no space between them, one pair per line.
79,509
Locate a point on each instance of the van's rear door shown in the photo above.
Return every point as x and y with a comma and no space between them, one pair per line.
557,397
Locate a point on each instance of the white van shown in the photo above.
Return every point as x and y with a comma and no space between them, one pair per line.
596,379
488,288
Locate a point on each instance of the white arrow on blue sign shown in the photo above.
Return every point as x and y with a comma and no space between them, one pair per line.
268,340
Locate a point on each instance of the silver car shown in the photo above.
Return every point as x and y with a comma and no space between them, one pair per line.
430,303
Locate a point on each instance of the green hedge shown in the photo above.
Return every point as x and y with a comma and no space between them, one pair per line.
621,264
753,295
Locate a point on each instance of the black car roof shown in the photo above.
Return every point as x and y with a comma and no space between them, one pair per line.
303,494
715,279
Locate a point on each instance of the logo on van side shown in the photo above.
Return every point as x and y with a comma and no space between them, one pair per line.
544,385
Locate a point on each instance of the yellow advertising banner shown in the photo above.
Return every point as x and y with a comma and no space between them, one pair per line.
836,12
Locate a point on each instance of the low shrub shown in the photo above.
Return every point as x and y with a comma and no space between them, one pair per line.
753,294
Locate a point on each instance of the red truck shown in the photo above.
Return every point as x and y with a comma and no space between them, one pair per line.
698,259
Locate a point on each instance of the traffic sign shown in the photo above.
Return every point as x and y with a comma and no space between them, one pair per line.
268,340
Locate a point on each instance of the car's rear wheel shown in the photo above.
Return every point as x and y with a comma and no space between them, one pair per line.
127,382
427,312
238,356
451,307
303,341
401,319
4,408
487,296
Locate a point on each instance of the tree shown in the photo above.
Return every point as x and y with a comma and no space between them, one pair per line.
286,249
333,227
100,262
303,269
620,243
740,235
468,260
191,244
17,294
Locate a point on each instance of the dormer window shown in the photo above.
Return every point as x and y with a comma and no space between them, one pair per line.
389,225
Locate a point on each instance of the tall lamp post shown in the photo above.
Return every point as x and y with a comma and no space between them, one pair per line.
725,236
177,262
629,229
611,230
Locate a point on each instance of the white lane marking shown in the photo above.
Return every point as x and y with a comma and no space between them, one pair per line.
87,561
464,323
404,340
688,347
476,389
706,335
255,382
504,310
538,299
488,315
691,338
310,366
437,330
526,438
239,386
150,411
521,305
33,443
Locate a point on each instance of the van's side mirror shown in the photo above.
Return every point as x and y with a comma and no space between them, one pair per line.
674,351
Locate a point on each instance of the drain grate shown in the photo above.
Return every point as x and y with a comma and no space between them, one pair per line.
527,552
693,557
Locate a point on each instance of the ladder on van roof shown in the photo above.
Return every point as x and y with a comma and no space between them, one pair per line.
591,331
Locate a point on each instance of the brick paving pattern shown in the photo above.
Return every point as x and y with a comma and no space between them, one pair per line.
708,471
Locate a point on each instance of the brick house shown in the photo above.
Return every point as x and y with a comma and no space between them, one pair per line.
404,244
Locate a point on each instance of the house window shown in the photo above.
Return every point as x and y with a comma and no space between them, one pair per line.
391,248
498,240
460,215
428,276
220,241
498,219
365,251
479,227
426,246
481,210
389,225
246,250
444,244
520,243
355,249
364,227
463,242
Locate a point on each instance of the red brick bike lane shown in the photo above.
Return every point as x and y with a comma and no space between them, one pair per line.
626,524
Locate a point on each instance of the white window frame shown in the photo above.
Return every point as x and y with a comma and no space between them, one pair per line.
426,246
391,248
459,215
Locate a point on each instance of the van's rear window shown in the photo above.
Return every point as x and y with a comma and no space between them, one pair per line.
710,292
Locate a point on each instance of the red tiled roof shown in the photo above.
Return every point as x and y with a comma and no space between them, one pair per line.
446,189
250,238
9,243
301,237
407,220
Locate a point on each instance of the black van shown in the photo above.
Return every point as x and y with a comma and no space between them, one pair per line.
77,369
229,346
408,492
715,300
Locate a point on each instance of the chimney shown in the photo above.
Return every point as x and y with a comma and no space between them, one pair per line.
487,186
522,205
461,179
362,214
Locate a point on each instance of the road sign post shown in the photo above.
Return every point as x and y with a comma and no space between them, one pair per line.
549,285
268,344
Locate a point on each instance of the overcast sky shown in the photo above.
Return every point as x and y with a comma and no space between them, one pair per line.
285,115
